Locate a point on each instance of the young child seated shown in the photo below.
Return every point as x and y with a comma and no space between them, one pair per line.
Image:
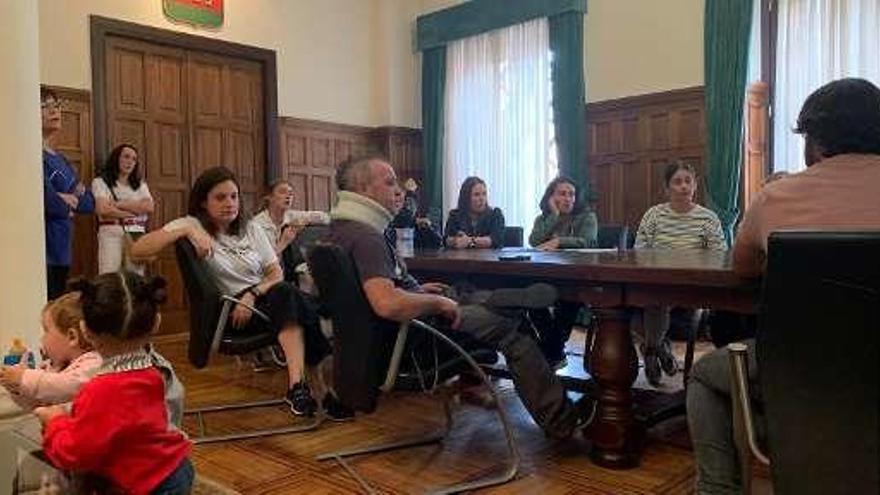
69,359
119,427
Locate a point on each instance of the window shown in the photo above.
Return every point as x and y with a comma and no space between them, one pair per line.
499,118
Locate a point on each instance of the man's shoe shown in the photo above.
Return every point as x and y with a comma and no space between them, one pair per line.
300,400
335,410
535,296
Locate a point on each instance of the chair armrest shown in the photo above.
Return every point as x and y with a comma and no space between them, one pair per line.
230,299
743,421
228,302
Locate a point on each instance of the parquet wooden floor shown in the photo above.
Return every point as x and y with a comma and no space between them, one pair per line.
286,464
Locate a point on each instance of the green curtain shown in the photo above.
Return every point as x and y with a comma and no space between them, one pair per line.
480,16
726,49
433,97
569,108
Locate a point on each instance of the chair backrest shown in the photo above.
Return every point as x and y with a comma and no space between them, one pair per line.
513,236
203,294
818,328
362,342
613,236
292,254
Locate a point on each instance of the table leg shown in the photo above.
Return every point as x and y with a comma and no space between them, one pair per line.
616,436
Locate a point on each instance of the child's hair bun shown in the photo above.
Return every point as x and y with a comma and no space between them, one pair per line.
155,290
84,286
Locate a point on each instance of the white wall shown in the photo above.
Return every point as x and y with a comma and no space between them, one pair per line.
635,47
326,49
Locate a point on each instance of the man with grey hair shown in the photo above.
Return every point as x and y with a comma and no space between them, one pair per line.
366,204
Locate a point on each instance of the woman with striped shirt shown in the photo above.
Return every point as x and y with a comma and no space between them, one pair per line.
678,224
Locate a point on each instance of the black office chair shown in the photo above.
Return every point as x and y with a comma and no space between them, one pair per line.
209,332
614,236
513,236
816,346
368,352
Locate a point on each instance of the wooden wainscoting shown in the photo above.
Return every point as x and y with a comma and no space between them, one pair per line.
311,150
630,142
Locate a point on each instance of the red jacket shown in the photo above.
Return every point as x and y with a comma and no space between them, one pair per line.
119,429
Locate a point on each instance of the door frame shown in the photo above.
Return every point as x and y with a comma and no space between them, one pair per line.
102,27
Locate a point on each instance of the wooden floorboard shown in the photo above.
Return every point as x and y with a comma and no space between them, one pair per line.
286,463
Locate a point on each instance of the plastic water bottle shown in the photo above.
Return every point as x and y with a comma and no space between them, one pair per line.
405,245
16,352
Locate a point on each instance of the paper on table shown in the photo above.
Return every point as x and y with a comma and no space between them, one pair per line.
593,250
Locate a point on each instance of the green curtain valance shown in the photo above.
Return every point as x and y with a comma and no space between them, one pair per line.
480,16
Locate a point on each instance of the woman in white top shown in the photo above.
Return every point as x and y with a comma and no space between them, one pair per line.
679,224
123,204
282,225
246,266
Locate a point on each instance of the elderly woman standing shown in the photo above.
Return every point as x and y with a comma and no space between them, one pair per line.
63,197
123,203
678,224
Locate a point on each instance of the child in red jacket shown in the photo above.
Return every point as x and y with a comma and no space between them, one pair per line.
119,427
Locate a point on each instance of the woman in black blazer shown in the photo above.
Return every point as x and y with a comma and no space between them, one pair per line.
474,224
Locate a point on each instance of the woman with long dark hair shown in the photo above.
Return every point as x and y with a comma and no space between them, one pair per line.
474,224
123,203
564,221
245,265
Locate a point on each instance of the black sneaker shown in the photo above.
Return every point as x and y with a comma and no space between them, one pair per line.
535,296
300,400
335,410
585,408
652,366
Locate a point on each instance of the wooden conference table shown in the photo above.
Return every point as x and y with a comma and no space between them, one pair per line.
612,282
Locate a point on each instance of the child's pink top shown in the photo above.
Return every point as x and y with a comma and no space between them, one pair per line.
41,387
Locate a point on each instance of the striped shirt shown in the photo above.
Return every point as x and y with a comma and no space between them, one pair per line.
663,228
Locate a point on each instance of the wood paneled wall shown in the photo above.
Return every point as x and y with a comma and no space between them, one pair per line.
630,142
311,150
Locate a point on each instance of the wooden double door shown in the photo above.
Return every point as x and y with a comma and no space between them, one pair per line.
185,111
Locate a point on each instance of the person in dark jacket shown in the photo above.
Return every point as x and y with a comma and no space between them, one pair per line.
474,224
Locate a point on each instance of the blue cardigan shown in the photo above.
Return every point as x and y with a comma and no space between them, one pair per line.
60,177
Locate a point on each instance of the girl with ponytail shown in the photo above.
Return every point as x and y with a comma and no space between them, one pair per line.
123,426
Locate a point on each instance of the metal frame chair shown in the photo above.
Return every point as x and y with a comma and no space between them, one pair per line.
209,314
340,288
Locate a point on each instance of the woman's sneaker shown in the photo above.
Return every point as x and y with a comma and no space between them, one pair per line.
335,410
667,361
300,400
652,365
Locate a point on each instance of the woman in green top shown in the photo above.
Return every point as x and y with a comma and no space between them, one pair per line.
564,222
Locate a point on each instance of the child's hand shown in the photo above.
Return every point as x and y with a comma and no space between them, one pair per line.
48,413
10,376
